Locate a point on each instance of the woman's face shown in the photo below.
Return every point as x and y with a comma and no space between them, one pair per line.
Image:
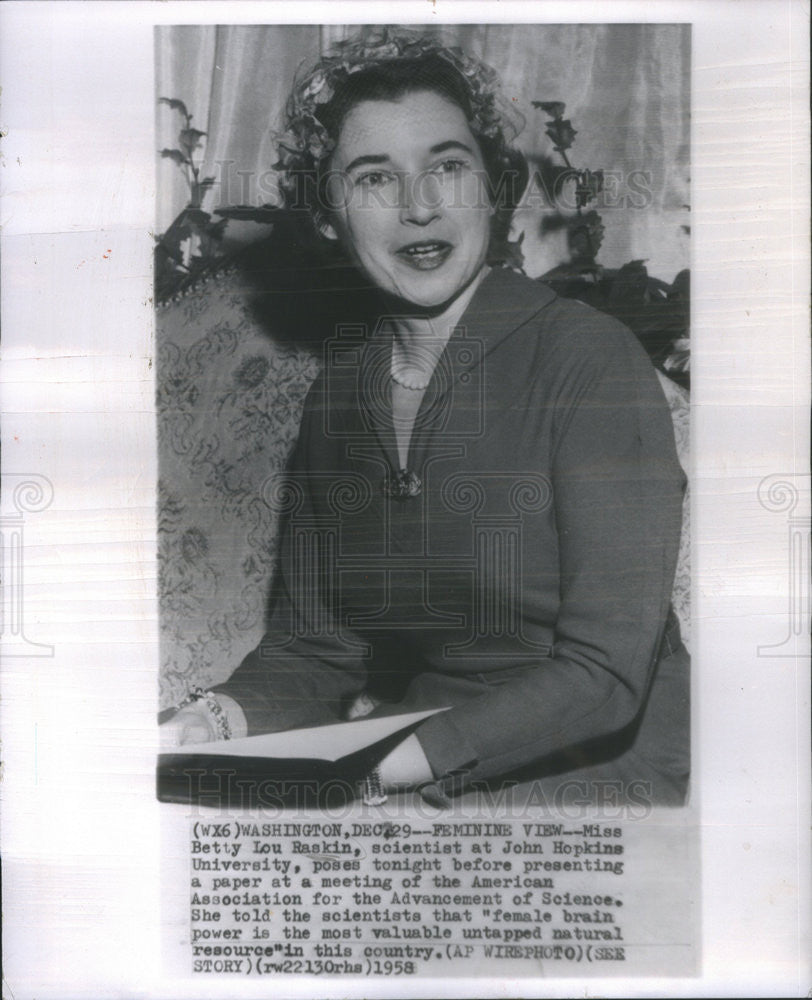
409,195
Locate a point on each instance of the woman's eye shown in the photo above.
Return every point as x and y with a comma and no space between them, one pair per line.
451,166
373,178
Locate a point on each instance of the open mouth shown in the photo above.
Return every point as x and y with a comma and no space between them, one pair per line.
426,254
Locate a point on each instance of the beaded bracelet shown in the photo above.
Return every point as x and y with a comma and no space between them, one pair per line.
219,717
373,792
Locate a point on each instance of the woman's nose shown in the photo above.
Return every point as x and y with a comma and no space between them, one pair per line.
420,200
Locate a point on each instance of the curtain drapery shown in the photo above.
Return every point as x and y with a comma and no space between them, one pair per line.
626,89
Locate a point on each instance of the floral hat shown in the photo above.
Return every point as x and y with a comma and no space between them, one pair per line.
306,142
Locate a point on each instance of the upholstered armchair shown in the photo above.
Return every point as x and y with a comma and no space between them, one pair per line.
229,400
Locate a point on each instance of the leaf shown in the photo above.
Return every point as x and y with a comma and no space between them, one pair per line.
197,218
562,133
681,286
190,138
198,264
169,277
585,238
630,282
553,108
172,240
175,156
175,105
589,184
206,183
250,213
507,252
679,360
215,230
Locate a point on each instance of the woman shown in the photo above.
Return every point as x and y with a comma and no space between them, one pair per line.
484,503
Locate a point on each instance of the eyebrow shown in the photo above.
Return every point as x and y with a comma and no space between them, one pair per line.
441,147
379,158
361,161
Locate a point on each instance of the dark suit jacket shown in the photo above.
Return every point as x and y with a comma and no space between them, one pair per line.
526,582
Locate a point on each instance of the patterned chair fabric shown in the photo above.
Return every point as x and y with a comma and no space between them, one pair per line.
229,401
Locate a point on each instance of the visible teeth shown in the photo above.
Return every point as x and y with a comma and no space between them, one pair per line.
427,256
424,249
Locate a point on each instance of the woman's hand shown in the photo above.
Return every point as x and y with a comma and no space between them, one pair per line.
192,724
406,766
195,724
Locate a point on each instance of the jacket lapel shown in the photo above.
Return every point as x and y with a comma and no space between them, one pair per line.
375,391
503,303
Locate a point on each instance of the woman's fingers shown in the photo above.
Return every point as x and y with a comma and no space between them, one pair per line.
189,725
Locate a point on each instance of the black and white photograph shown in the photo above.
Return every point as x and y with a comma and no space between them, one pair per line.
424,404
421,419
481,490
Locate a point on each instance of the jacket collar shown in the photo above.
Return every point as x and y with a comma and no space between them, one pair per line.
504,302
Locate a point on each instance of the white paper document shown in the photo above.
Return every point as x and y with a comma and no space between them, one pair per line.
316,743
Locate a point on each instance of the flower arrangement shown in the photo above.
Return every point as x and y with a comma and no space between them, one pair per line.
191,245
656,312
